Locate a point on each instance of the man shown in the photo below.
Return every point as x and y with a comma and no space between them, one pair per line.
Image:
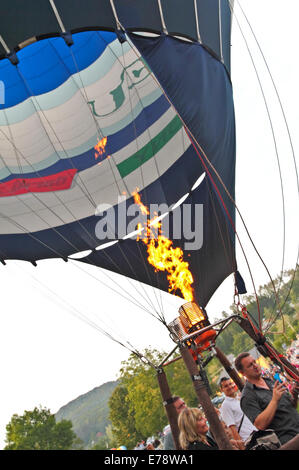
179,405
267,404
231,412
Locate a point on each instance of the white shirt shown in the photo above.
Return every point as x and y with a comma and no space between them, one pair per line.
232,414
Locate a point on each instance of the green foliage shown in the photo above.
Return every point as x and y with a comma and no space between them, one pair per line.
284,315
233,339
136,409
122,419
107,441
130,410
280,311
89,414
38,430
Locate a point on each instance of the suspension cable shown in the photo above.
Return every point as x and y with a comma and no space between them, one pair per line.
292,151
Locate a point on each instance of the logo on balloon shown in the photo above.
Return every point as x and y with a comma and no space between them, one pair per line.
131,76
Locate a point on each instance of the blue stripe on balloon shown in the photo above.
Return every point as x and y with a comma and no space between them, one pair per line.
47,64
23,246
115,142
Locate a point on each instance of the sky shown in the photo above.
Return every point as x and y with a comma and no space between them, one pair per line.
51,345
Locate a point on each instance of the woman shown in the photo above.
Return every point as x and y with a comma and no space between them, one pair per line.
193,431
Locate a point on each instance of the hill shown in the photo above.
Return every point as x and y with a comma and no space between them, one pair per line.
89,413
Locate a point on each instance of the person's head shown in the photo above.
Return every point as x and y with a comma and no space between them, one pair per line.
156,443
248,366
192,425
179,404
150,447
228,387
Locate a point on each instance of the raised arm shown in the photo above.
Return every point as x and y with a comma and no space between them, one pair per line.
264,419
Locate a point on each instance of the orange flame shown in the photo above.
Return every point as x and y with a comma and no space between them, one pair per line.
164,256
137,200
100,147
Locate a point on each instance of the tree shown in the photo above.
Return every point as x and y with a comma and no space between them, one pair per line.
106,441
38,430
136,409
122,418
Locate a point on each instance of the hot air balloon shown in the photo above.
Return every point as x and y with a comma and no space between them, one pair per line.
100,100
89,117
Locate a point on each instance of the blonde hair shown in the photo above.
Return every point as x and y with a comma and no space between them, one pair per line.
187,422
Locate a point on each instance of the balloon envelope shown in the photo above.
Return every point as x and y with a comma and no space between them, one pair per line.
90,114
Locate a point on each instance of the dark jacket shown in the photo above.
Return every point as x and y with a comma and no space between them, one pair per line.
286,419
199,445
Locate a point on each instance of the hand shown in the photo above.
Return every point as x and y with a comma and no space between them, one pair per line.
150,447
278,391
237,445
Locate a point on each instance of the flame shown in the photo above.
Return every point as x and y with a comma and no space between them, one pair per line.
100,147
137,200
139,229
164,256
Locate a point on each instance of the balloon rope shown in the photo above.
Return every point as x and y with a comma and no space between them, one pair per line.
50,209
86,99
56,253
133,300
37,197
59,255
193,141
278,162
272,353
81,316
229,217
235,205
229,255
289,137
18,152
134,88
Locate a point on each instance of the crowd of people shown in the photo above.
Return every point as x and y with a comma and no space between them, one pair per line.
268,400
